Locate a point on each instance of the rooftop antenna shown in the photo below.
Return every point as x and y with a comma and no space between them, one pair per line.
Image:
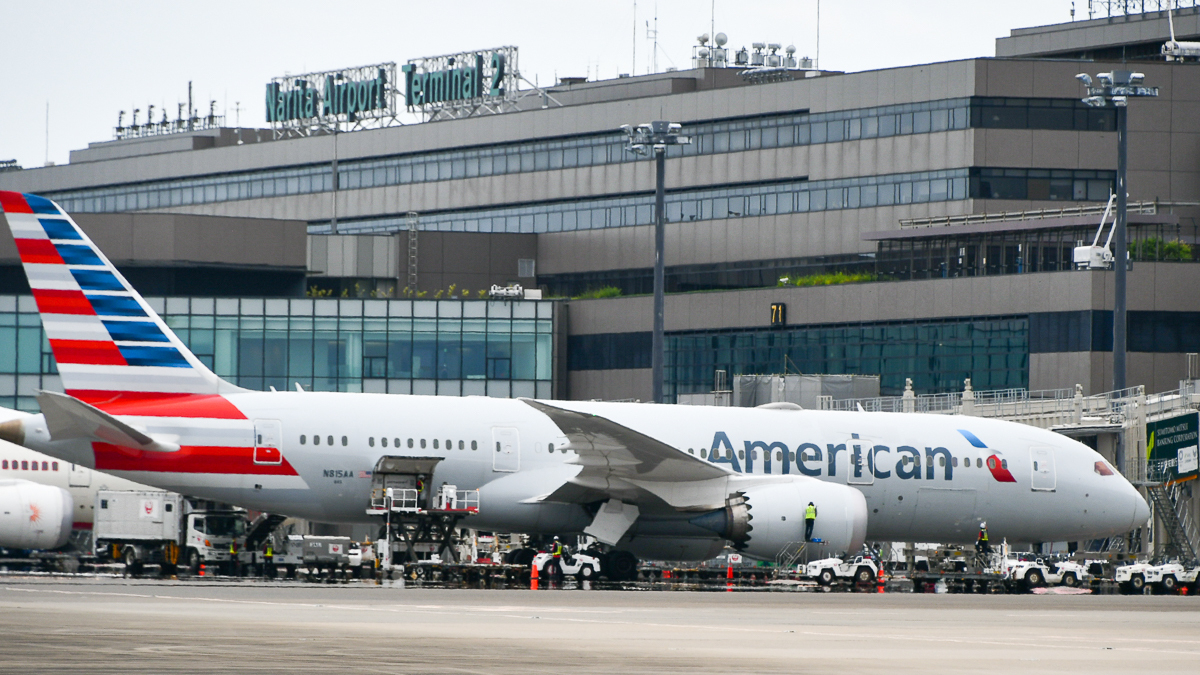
817,60
633,68
47,161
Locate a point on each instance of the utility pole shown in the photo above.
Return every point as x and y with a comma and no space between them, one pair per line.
1117,87
644,139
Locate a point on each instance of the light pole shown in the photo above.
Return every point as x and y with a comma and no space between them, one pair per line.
1116,87
643,139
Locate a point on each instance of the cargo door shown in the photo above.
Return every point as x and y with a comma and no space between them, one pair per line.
941,511
1042,476
507,449
80,476
268,442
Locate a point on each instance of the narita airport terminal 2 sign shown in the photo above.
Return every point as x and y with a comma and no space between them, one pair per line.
455,85
442,81
354,95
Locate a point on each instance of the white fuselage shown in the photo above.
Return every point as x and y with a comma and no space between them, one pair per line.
940,494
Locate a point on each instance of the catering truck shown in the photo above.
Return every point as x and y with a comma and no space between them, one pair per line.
167,529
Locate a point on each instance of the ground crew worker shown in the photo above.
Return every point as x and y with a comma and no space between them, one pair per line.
269,559
981,544
810,518
234,566
554,567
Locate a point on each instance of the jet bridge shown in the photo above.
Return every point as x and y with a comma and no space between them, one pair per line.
419,520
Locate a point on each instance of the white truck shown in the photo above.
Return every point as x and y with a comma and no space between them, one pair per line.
860,569
1167,577
146,526
1067,573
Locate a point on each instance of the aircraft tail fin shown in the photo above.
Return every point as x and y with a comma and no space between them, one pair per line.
107,341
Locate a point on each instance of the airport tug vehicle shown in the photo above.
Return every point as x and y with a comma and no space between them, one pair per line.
859,569
581,565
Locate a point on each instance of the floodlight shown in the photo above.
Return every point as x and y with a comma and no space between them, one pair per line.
1085,79
1095,101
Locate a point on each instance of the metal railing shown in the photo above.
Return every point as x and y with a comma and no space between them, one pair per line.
1147,207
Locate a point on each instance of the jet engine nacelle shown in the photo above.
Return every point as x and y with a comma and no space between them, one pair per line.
34,516
765,516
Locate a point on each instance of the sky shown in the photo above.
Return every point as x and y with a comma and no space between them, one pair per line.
87,60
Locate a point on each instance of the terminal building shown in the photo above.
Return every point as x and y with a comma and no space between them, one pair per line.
910,223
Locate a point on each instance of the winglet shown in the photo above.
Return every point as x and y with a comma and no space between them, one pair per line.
68,417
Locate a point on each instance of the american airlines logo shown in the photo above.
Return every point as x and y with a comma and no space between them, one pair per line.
859,458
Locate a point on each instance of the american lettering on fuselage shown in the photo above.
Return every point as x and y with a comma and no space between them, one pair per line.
139,404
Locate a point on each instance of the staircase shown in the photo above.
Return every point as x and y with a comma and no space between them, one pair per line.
1179,544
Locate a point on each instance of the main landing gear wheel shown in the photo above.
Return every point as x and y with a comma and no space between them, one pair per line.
622,566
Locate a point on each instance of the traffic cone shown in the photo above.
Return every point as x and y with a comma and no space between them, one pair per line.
533,578
880,581
201,569
729,572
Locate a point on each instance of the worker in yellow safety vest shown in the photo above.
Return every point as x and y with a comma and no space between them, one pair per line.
554,567
810,518
981,543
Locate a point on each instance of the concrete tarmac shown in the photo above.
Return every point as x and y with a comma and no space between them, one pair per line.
124,626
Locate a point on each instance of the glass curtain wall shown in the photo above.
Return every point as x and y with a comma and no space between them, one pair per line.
937,355
443,347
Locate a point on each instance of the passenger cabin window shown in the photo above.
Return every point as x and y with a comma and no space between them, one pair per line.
474,445
383,441
345,441
410,442
303,438
371,441
316,440
25,465
396,442
34,466
461,446
978,462
422,444
549,447
4,464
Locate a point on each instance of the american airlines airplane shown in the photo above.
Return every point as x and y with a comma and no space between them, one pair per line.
656,481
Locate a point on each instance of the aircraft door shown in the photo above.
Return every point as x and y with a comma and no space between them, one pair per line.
1042,476
506,455
80,476
861,460
268,442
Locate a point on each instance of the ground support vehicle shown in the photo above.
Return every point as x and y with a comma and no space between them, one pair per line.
141,527
581,565
859,570
1067,573
1028,574
1165,578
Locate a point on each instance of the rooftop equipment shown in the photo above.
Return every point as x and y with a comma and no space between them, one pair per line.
1096,257
1174,50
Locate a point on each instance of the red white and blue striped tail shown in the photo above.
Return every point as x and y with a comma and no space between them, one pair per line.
108,343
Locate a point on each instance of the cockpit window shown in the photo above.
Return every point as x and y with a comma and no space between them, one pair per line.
1103,468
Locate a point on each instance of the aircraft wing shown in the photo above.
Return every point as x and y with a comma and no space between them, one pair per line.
622,463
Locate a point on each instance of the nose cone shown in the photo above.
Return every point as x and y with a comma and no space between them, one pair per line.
1141,510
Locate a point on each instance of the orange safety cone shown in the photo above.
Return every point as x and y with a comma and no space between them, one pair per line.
666,574
201,569
533,578
729,572
880,582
